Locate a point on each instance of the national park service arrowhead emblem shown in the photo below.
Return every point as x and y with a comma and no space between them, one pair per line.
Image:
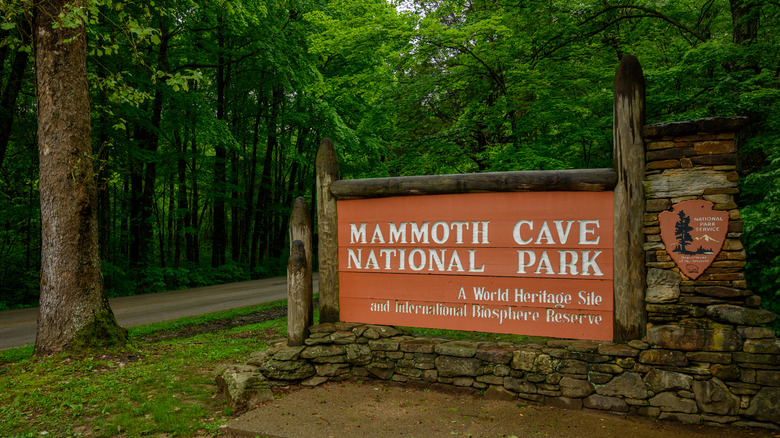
693,234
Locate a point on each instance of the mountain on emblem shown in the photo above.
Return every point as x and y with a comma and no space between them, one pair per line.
706,238
693,235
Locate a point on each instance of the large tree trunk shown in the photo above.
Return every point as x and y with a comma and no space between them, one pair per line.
74,311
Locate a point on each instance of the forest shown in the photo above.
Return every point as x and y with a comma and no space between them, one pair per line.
207,114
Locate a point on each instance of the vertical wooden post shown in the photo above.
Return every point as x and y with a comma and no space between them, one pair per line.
300,229
298,307
327,173
629,150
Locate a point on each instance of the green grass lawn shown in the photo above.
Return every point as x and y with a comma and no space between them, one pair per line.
162,384
154,387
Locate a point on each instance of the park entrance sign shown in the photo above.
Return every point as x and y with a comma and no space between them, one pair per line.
531,263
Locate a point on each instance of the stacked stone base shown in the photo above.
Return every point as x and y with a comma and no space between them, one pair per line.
626,379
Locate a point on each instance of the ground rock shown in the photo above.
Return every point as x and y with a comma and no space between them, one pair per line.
573,366
663,286
721,338
331,369
449,366
756,332
496,392
382,368
764,405
601,402
243,386
659,380
287,370
358,354
670,402
288,353
457,349
322,351
575,388
714,397
684,182
663,357
524,359
518,385
629,385
677,337
732,314
762,346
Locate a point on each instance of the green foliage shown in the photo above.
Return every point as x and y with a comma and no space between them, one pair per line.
761,230
404,88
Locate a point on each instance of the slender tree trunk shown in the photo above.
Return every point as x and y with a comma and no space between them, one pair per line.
235,216
104,198
744,19
11,91
250,193
74,311
219,240
263,216
193,239
181,199
124,219
31,206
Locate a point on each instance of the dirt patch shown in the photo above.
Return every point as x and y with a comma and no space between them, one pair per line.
379,409
220,324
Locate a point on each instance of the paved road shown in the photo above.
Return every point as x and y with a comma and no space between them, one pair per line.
17,327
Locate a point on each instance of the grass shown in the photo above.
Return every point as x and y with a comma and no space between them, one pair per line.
157,386
150,388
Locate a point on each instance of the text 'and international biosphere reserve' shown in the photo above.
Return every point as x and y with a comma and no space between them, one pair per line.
533,263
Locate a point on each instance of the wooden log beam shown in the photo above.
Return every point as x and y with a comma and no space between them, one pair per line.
327,225
521,181
629,151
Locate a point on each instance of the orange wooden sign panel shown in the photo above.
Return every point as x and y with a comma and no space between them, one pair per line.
533,263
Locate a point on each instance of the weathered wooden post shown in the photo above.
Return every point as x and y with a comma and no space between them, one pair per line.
327,173
300,229
629,264
298,306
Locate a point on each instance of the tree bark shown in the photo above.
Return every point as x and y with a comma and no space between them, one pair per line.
74,311
594,180
327,224
629,255
11,91
193,238
219,240
299,287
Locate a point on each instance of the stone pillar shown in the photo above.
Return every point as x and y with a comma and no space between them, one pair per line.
710,326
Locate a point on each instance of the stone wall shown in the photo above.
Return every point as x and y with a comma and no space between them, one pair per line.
706,357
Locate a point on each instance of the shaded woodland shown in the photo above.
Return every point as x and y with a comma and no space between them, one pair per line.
206,115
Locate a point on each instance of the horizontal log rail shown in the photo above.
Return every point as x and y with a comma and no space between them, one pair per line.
592,180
